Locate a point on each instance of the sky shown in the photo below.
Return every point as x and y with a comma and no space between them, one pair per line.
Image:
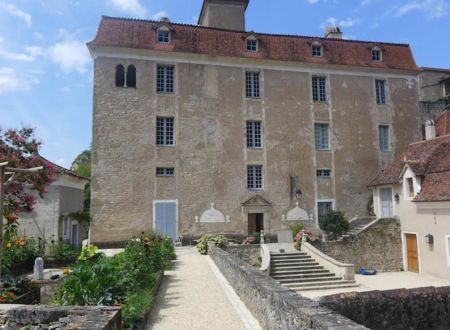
46,70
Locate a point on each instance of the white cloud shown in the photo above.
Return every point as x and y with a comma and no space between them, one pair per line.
130,6
12,81
70,56
14,11
432,8
35,51
313,1
344,23
38,35
16,56
159,15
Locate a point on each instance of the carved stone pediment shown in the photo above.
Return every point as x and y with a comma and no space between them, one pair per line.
297,214
257,201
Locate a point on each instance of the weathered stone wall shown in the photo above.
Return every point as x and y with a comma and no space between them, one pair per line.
421,308
379,247
274,306
46,317
251,254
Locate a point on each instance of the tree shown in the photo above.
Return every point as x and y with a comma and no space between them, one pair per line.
20,148
82,166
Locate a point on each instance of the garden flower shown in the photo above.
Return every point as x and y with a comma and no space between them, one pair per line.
8,245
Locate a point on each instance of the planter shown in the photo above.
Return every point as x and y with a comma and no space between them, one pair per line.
30,298
21,268
154,293
58,263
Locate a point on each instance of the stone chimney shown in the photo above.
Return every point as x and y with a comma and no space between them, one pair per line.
224,14
430,130
333,32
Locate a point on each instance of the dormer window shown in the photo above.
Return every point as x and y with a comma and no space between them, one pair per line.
316,49
377,54
252,44
411,183
163,35
410,187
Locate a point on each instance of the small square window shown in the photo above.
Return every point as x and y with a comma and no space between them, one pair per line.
165,171
252,84
163,36
252,45
323,173
319,89
254,177
376,55
316,50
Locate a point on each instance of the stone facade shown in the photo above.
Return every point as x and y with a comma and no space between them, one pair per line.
275,306
378,247
210,156
416,309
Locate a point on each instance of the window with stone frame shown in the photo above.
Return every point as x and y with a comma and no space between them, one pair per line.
165,171
252,45
380,91
165,79
120,76
252,86
254,134
384,138
322,136
323,208
323,173
165,131
163,35
319,89
316,50
377,55
254,177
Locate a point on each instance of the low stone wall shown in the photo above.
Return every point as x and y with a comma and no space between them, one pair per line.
41,317
421,308
274,306
251,254
378,247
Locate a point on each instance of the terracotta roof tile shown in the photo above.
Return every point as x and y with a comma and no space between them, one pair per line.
140,34
429,159
443,124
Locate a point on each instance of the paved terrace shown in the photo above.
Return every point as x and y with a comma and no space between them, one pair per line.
195,295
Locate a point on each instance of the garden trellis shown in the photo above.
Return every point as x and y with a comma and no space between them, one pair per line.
12,174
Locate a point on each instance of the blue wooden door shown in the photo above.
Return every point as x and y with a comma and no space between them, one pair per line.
166,219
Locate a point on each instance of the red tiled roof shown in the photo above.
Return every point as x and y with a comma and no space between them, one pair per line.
63,170
443,124
424,68
429,159
140,34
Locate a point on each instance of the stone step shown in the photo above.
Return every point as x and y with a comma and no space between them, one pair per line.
316,284
288,253
301,280
330,286
320,274
291,257
292,262
298,270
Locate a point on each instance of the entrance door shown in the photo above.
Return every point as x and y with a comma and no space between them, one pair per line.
412,254
255,222
387,208
166,219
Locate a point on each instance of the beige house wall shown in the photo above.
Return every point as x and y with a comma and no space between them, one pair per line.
422,219
210,156
432,88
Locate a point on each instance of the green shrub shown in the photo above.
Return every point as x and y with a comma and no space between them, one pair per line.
61,251
257,236
334,223
219,240
296,229
18,251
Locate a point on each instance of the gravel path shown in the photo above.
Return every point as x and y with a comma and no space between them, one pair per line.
193,295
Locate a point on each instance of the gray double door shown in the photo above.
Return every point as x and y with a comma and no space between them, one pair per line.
166,218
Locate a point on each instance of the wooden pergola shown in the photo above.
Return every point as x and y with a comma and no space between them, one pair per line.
12,174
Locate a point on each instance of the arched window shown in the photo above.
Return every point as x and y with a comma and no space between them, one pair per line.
377,54
120,76
163,35
316,49
131,76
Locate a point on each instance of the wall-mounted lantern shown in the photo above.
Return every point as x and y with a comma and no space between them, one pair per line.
429,239
397,198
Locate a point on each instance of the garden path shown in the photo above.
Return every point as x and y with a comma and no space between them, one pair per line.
194,295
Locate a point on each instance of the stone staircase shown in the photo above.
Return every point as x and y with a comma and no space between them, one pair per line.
356,227
299,272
